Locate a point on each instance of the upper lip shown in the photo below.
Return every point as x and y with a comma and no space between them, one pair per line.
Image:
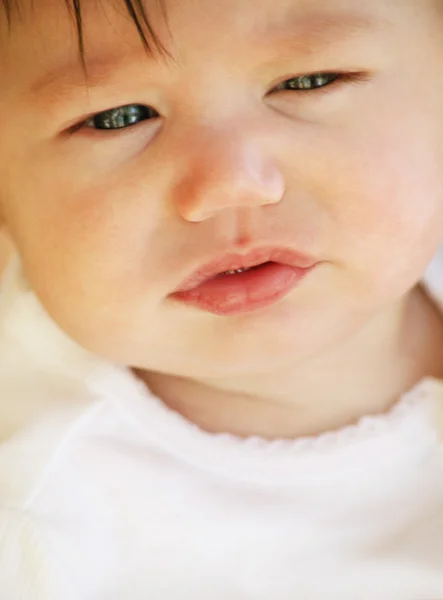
235,260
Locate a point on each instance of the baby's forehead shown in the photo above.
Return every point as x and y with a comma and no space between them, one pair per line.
38,38
153,16
101,31
158,23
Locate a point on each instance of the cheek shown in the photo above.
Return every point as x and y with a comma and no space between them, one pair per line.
91,251
381,197
386,201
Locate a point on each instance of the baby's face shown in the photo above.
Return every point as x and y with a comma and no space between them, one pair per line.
227,152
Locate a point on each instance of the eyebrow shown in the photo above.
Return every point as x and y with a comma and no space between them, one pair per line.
312,31
303,33
72,74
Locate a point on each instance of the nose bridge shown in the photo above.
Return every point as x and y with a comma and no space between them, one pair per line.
227,167
228,159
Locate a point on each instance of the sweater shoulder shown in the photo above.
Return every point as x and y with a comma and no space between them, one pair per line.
36,445
44,400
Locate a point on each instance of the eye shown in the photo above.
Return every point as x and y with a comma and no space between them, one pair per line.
121,117
306,83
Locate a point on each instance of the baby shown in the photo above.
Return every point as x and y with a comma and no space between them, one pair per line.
221,339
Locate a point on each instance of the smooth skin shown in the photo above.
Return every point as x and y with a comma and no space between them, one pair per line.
232,152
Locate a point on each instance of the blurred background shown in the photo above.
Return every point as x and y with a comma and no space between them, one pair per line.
5,250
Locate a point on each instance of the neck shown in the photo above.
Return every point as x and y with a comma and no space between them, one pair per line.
364,376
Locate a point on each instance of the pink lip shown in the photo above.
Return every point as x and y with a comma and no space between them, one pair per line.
279,271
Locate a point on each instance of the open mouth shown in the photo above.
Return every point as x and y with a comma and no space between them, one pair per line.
236,284
243,270
244,290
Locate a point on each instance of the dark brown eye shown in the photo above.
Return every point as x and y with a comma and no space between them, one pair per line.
121,117
308,82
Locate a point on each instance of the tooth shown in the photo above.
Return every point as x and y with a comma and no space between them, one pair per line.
235,271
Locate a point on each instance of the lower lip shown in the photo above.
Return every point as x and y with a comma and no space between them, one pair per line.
231,295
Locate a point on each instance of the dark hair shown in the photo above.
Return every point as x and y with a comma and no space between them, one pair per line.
136,11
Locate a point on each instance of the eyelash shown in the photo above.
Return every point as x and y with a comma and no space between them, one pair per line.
114,120
335,79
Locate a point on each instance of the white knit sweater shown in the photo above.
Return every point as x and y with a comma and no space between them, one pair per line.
106,494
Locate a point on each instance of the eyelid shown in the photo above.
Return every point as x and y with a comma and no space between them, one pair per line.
147,111
81,123
343,77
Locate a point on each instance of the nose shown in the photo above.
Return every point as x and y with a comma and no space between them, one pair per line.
227,171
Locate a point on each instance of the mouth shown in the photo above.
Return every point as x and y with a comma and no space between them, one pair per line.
236,284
